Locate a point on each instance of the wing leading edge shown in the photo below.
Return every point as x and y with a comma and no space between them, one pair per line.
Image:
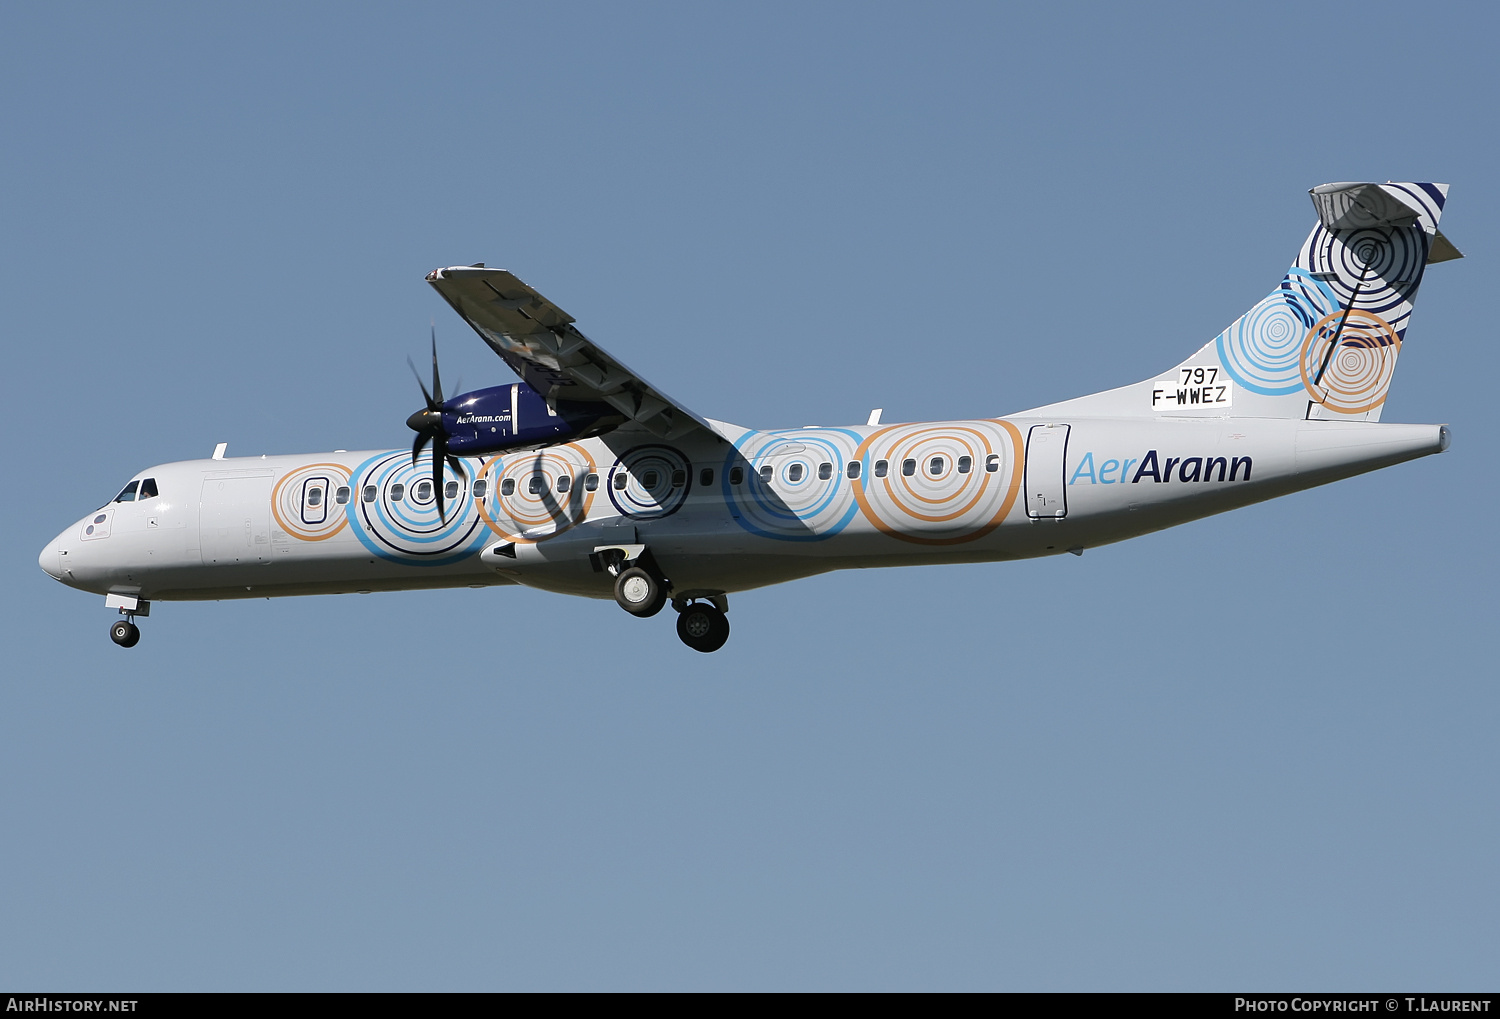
540,343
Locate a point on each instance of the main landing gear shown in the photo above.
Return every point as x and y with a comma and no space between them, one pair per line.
702,626
642,590
639,593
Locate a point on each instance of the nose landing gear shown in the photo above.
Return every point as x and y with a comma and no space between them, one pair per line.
125,633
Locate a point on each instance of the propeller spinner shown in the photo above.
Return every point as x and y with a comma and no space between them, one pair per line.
428,424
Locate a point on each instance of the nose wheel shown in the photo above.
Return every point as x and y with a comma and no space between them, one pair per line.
702,627
125,633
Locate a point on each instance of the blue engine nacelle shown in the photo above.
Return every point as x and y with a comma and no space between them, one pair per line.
514,417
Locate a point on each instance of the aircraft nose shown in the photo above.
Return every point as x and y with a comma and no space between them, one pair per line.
50,561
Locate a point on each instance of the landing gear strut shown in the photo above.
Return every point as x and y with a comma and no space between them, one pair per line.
125,633
702,627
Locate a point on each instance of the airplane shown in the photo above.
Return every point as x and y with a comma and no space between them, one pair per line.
585,479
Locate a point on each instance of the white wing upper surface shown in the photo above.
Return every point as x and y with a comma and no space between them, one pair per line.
539,341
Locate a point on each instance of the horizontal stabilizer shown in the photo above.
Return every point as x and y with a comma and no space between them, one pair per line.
1442,249
1360,206
1349,206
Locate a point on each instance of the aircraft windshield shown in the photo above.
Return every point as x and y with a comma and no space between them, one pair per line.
128,494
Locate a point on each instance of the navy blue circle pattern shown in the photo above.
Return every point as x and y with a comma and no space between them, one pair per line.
658,465
1375,269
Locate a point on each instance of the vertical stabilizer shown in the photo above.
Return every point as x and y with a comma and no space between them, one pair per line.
1324,343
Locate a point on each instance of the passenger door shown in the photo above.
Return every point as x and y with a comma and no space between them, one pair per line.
1046,457
234,520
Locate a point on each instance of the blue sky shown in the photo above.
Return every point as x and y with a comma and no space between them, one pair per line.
1254,752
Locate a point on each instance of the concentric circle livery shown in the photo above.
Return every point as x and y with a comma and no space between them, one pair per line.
926,496
538,494
394,511
1261,350
807,497
650,481
305,503
1357,376
1372,270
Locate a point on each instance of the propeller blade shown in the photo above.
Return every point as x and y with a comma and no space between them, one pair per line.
425,394
437,382
416,447
439,454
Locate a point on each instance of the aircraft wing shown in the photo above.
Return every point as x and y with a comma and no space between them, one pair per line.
539,341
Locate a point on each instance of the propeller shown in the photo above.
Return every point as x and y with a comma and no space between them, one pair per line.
428,424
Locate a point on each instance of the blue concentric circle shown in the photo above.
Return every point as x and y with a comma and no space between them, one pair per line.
402,521
1262,349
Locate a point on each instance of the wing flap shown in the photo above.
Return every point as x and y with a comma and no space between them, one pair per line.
542,345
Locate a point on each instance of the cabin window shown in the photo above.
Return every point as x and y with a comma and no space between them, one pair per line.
369,493
423,492
935,465
706,476
508,486
537,485
852,470
128,493
825,471
481,488
765,474
965,464
794,473
992,463
882,468
148,489
621,480
650,478
450,490
564,483
398,492
591,483
679,478
736,476
908,467
341,495
314,498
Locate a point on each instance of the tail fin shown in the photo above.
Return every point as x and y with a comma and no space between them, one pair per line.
1324,343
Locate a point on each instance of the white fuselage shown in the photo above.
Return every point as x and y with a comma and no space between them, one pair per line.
720,513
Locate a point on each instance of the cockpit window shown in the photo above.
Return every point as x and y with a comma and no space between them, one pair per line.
148,489
128,494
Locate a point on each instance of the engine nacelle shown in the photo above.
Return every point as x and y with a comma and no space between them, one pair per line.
515,417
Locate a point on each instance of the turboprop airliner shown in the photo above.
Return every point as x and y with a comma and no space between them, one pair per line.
583,478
